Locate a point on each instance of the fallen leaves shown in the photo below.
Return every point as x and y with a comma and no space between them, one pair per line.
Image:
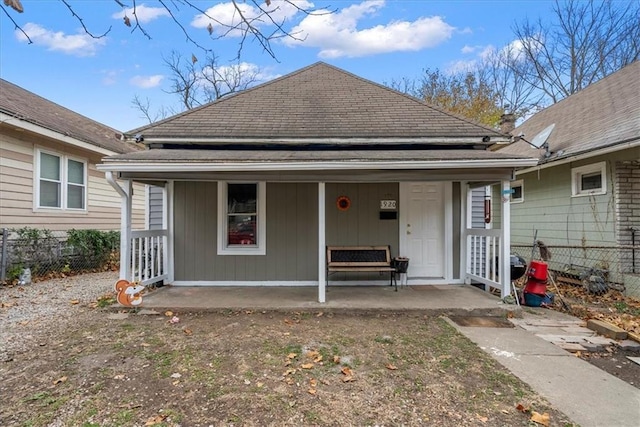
60,380
347,374
536,417
155,420
391,367
540,418
481,418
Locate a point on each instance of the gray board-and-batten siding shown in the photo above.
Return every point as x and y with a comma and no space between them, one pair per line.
292,231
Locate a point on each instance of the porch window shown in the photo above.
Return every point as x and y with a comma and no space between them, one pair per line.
588,180
517,191
241,218
60,182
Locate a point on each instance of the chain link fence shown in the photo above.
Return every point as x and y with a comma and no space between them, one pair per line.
31,254
595,268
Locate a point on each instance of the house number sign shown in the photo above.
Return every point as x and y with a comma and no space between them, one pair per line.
387,204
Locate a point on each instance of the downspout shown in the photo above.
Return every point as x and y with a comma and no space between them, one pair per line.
125,226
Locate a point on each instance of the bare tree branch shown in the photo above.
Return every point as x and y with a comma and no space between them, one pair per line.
84,27
587,41
197,82
252,21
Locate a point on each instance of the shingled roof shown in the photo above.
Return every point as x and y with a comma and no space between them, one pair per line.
603,115
318,102
29,107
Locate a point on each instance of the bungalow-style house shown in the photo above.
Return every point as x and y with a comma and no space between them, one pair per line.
583,196
48,175
260,182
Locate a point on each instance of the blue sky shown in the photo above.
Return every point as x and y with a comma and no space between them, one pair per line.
378,40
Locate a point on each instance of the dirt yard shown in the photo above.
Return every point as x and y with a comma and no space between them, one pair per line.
103,368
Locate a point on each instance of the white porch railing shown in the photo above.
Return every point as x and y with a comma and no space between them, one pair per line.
148,256
483,248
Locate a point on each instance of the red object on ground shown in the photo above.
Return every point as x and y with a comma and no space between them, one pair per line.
535,287
538,270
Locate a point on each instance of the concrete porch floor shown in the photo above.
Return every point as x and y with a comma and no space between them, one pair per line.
456,299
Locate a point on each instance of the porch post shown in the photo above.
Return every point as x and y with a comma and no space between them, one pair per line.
322,278
465,224
505,235
125,224
167,224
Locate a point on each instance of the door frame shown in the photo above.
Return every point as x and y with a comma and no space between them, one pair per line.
447,193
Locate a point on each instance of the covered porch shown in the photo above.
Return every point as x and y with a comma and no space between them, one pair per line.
472,255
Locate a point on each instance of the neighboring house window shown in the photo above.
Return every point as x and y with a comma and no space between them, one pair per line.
517,191
590,179
61,182
241,218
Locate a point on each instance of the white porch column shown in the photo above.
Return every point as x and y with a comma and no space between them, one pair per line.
322,254
125,224
505,237
167,224
465,223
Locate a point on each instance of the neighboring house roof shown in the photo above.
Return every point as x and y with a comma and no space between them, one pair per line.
604,115
27,107
315,104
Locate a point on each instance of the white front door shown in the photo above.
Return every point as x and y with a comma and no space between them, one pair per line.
422,228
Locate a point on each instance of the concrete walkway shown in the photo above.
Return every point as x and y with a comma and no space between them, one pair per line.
585,393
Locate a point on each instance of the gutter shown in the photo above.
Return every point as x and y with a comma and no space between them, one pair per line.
306,141
578,157
311,165
44,131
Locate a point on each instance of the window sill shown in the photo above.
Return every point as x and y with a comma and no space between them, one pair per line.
590,193
242,251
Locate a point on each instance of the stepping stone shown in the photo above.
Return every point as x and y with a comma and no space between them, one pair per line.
600,340
572,347
629,345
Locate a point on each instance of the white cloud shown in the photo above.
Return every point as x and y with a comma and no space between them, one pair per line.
468,49
144,13
147,82
225,16
246,68
110,77
337,34
461,66
80,44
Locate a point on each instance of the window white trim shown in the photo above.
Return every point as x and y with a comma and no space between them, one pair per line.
514,184
261,247
578,173
63,182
